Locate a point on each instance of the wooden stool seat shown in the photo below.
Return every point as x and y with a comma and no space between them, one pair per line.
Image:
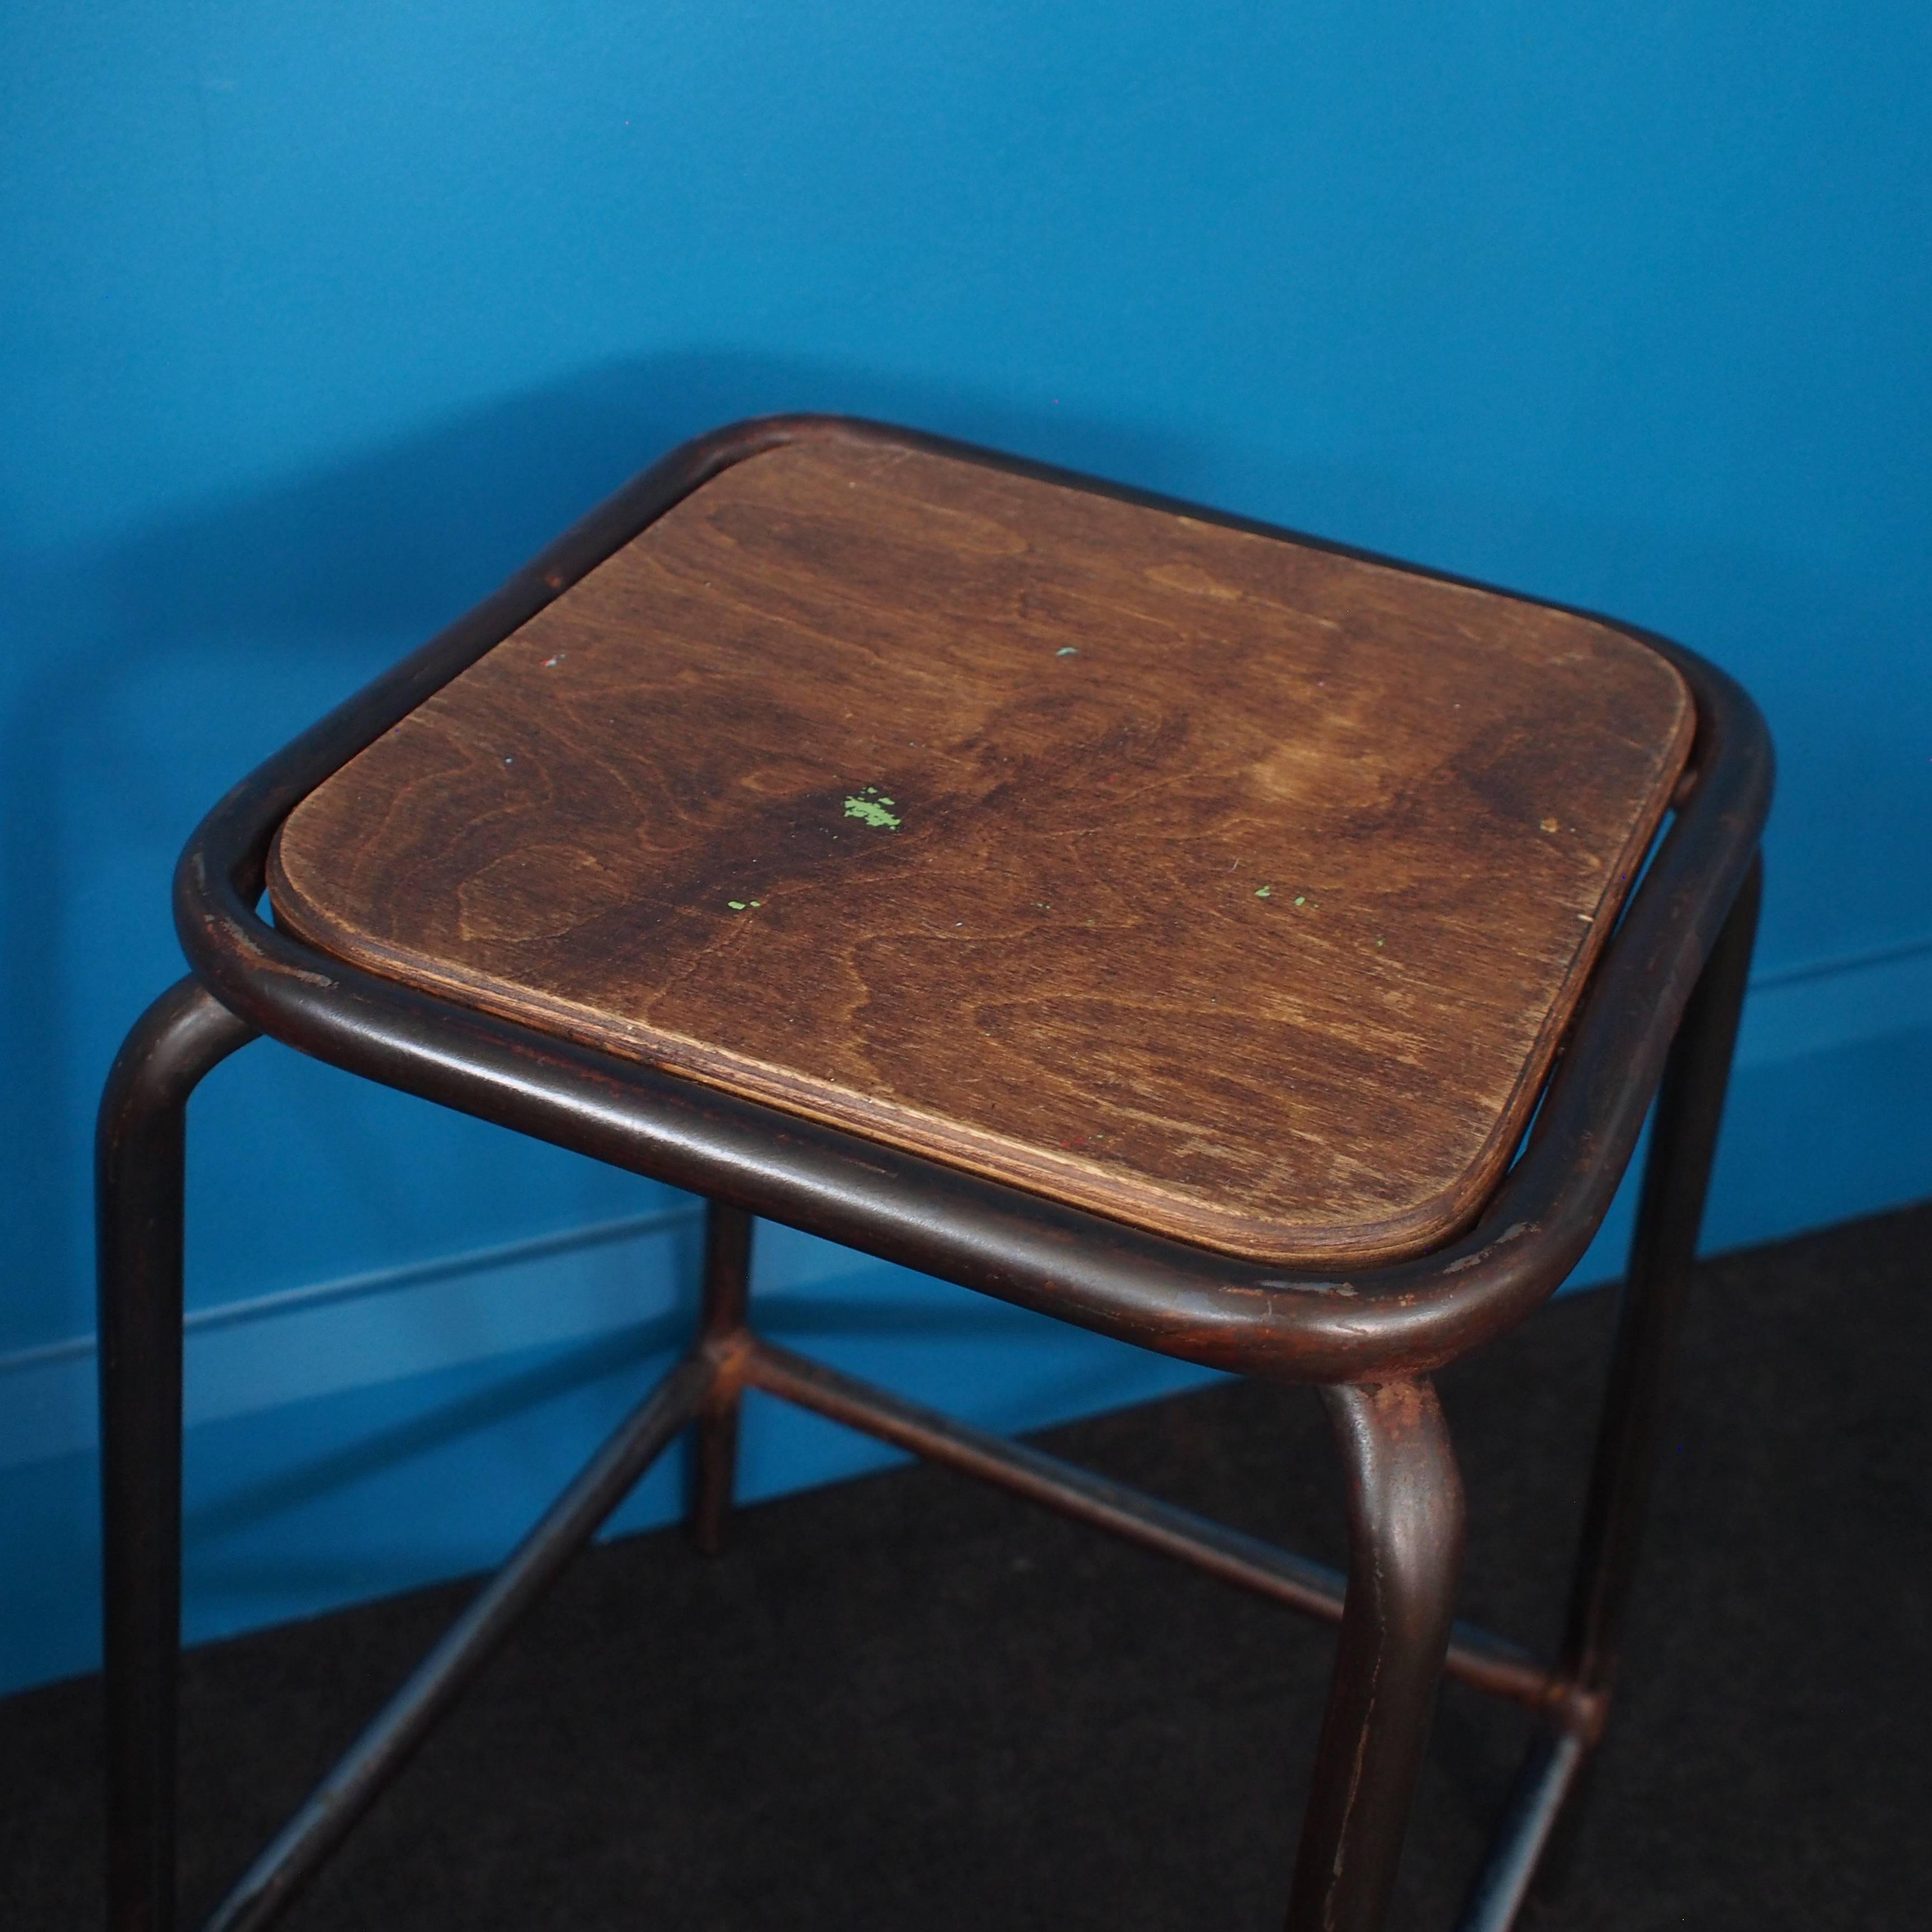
1216,883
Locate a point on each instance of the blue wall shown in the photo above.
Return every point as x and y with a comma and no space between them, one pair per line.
315,321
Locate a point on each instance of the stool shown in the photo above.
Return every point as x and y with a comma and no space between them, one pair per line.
1221,940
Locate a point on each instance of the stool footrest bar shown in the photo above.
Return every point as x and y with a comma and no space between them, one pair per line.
332,1808
1542,1785
1488,1662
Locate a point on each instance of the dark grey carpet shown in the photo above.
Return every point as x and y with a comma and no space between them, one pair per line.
910,1702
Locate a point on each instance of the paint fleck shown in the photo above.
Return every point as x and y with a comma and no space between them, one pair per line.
550,664
872,811
1549,825
1067,651
1264,892
736,905
1301,899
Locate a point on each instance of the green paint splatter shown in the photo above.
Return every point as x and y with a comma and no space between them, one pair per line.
1067,651
873,811
736,905
1301,899
1264,892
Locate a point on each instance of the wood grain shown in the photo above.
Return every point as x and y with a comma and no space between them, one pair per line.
1198,877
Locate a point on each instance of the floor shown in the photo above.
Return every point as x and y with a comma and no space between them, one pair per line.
908,1701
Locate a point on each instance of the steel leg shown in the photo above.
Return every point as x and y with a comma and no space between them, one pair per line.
1405,1528
139,1170
1683,1142
727,1274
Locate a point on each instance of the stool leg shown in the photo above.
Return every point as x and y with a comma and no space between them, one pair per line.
1629,1435
139,1169
727,1298
1670,1214
1405,1528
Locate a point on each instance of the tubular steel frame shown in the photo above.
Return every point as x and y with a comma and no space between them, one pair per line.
1659,1017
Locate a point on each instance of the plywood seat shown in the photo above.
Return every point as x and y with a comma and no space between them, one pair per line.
1207,879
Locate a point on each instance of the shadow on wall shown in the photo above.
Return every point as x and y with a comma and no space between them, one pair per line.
156,671
404,538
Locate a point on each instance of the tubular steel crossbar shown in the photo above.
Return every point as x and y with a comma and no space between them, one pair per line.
742,1360
1489,1663
1658,1019
400,1726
